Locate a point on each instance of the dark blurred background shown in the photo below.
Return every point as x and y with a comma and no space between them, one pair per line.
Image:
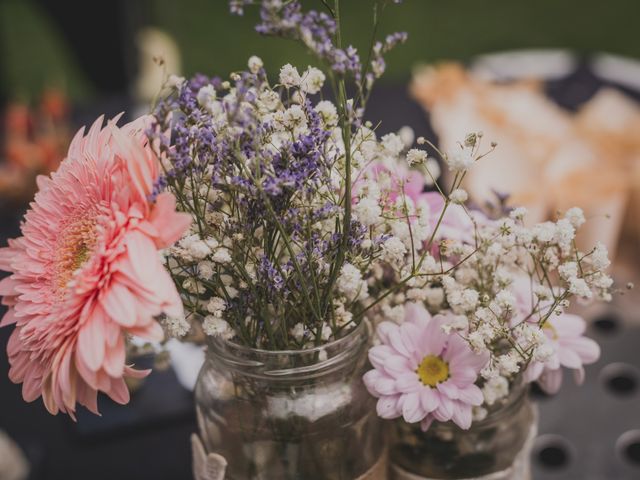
87,48
63,63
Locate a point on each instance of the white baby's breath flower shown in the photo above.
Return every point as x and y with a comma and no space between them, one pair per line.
415,156
298,332
542,292
508,363
568,270
579,287
328,113
294,117
176,327
461,159
350,282
217,327
326,332
216,306
221,255
495,389
518,213
600,257
289,76
205,270
255,64
505,299
393,250
458,196
206,95
312,81
392,144
368,211
575,217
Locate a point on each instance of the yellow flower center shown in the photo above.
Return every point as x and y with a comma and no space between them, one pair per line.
432,370
74,246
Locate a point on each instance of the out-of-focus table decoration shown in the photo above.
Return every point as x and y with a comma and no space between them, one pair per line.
13,464
34,141
549,158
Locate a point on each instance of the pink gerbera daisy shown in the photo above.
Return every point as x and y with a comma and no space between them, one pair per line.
423,374
86,271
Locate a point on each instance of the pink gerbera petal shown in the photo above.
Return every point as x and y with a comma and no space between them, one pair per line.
86,273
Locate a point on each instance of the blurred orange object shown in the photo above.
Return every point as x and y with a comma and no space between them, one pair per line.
34,143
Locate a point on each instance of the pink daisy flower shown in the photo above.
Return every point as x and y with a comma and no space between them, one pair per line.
86,271
570,349
421,373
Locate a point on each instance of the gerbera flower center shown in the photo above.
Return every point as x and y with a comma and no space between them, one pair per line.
432,370
75,244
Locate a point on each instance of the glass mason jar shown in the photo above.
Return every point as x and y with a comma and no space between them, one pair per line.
291,414
496,448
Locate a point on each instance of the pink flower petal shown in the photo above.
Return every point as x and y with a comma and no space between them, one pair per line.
448,389
471,395
585,348
569,358
462,415
387,407
407,383
429,399
411,409
550,381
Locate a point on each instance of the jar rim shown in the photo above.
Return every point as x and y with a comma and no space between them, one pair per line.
287,364
349,336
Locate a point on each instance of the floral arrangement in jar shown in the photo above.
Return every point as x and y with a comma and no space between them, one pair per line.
270,216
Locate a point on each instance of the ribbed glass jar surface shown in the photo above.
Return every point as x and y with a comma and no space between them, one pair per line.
290,414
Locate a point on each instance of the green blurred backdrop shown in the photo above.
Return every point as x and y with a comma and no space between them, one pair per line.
34,53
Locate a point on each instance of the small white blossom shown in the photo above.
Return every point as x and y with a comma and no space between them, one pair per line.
289,76
216,306
579,287
328,113
222,255
568,270
508,363
495,389
298,332
392,144
575,216
518,213
415,156
393,250
600,257
205,270
312,81
458,196
176,327
350,282
217,327
255,64
460,160
206,95
368,211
